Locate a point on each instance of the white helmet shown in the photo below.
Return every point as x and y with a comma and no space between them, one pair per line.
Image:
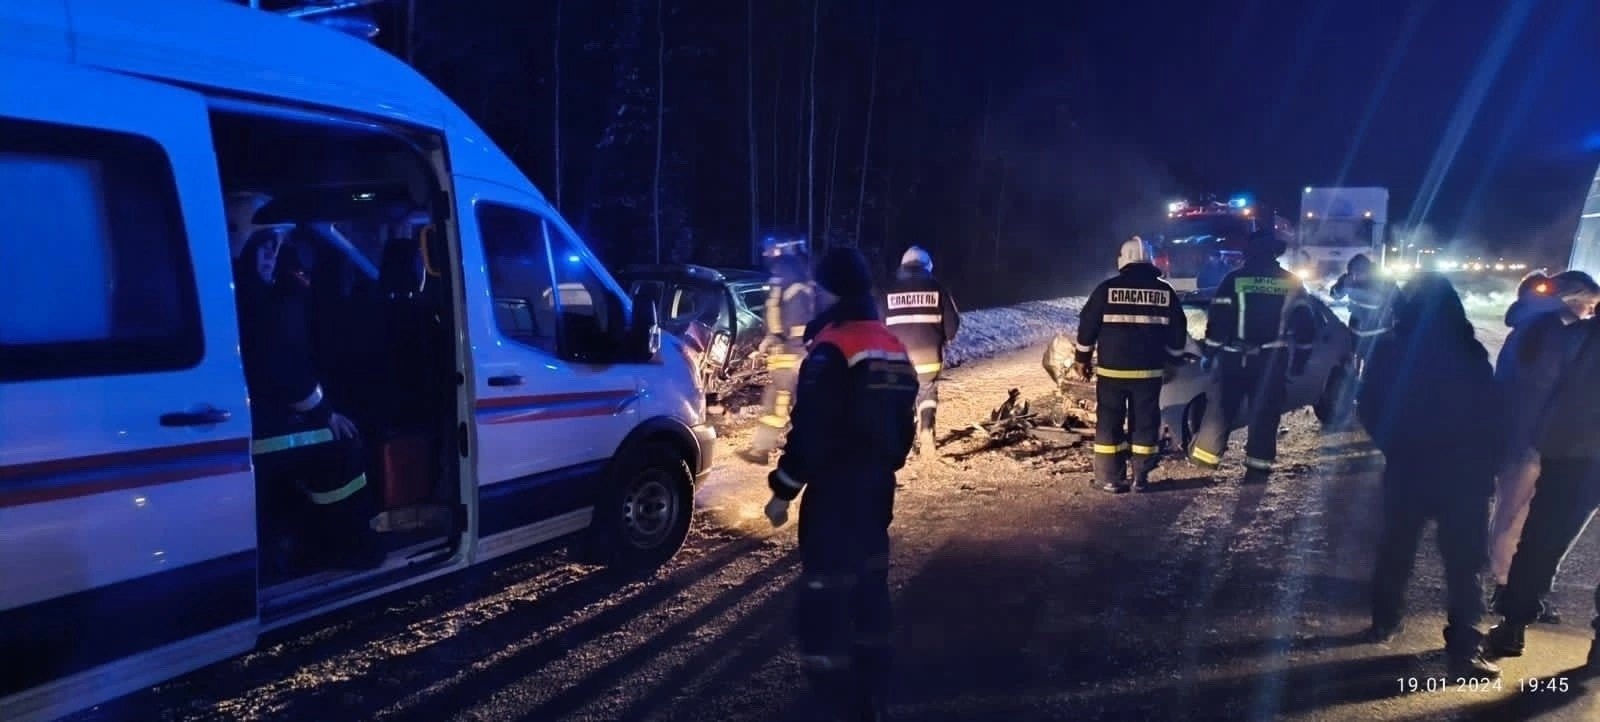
1135,250
242,207
915,256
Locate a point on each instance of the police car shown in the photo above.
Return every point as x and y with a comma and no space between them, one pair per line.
1184,399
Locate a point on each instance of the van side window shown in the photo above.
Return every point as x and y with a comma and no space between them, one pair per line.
591,314
95,274
519,275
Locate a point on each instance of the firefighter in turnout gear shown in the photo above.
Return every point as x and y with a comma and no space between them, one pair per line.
1137,323
921,313
1371,302
308,457
790,298
853,427
1259,332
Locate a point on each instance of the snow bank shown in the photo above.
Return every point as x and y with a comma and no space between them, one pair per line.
987,332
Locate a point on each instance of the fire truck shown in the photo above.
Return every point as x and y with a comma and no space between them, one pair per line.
1202,241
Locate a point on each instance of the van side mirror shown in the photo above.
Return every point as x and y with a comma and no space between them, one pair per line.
642,339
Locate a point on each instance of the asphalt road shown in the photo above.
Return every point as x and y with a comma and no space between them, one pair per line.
1022,595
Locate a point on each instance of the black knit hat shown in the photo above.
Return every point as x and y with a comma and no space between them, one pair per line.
843,272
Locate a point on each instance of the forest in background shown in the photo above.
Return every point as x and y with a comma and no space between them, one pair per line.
684,130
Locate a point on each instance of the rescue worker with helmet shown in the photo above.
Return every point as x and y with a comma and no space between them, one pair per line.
790,300
1138,325
921,313
1259,332
853,428
308,456
1371,301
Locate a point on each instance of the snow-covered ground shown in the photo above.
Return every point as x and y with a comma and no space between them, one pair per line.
991,331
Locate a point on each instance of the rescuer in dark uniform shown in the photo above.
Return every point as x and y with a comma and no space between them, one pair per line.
1259,332
308,457
853,427
921,313
790,299
1371,300
1136,321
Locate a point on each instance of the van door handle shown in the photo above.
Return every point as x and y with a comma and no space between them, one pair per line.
203,417
506,380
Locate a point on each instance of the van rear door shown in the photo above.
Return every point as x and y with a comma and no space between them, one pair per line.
127,503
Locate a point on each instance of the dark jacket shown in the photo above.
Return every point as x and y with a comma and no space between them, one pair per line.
853,420
1136,321
275,342
920,312
1530,363
790,299
1428,397
1371,303
1570,427
1261,305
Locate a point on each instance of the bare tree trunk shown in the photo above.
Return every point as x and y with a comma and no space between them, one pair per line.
1000,214
777,136
833,172
750,122
866,136
661,99
800,153
411,32
555,54
811,132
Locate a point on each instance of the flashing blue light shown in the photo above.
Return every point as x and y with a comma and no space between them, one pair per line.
573,258
1239,202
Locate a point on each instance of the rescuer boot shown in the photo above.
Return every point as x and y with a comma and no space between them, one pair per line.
1505,640
1472,666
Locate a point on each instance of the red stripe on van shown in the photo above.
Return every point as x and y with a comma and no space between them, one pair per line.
54,480
549,407
501,403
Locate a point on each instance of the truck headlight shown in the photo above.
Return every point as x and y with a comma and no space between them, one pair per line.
1303,274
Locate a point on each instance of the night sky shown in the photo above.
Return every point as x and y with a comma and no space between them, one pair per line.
1271,95
1021,134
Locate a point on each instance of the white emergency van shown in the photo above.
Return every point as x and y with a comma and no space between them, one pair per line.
506,391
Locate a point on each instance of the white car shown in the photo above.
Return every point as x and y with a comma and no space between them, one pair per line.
1184,396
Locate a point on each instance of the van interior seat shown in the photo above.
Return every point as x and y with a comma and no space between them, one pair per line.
411,378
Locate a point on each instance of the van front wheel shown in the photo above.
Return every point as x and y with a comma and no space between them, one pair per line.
643,518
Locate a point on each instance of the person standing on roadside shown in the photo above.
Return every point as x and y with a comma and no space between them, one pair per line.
1430,404
853,426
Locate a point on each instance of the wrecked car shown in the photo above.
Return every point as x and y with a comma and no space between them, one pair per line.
719,313
1185,389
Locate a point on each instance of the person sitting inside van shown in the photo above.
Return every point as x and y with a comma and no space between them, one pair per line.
315,500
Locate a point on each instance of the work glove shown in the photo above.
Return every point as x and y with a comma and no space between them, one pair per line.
777,511
1085,371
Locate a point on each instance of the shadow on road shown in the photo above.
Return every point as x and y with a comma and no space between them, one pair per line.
435,673
1296,690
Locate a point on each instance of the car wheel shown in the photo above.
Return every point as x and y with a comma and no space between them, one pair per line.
1192,415
1328,404
644,516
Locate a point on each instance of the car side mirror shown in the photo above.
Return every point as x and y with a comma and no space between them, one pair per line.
642,340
